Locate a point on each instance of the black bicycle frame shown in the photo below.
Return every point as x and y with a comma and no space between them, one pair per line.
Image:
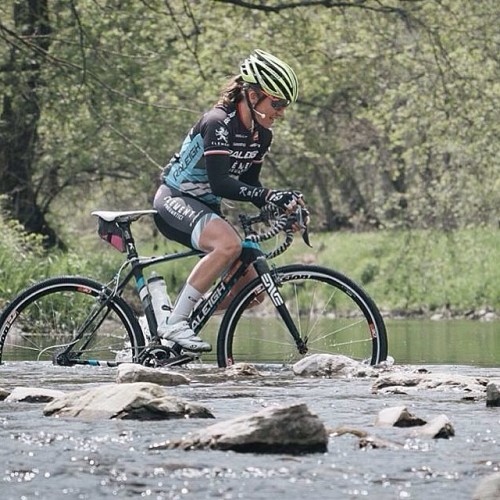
137,266
251,254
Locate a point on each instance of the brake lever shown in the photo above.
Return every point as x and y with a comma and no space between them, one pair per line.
301,216
305,236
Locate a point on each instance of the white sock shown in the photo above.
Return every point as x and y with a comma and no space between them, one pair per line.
184,304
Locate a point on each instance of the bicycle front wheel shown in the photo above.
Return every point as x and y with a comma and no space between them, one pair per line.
68,320
331,312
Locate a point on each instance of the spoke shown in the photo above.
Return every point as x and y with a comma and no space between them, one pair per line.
337,331
26,348
275,342
319,316
56,346
27,338
349,342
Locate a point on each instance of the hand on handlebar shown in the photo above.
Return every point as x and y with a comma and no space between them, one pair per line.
285,200
296,221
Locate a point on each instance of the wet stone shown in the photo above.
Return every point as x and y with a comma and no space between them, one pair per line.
33,395
439,427
282,429
365,440
139,401
132,372
397,416
378,443
330,365
488,488
3,394
406,383
492,395
242,370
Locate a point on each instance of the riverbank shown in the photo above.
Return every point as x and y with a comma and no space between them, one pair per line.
444,313
407,273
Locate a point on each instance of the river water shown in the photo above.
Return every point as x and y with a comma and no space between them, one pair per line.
53,458
445,342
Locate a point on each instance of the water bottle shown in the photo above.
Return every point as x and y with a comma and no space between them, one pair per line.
162,306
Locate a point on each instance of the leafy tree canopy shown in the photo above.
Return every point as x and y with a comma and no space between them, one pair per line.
396,125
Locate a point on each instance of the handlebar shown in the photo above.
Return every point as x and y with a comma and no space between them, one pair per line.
278,221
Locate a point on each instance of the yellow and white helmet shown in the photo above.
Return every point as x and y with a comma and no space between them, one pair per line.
273,75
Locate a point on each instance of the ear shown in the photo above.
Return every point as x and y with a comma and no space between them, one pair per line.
254,96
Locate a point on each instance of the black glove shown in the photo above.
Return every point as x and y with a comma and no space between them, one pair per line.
283,199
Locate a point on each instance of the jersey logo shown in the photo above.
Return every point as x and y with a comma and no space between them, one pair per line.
222,134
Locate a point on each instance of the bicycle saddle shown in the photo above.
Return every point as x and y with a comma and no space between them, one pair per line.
122,215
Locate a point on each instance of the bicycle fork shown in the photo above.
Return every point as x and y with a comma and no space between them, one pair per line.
264,272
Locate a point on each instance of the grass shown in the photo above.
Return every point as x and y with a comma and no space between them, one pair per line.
410,271
419,270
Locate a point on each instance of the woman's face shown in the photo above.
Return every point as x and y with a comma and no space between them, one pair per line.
267,113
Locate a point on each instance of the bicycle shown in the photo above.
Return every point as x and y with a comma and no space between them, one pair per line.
73,320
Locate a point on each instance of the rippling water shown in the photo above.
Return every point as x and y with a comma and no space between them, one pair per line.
52,458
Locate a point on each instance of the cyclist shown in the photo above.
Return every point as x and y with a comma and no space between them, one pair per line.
221,157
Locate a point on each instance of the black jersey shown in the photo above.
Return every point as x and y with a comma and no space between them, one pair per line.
220,132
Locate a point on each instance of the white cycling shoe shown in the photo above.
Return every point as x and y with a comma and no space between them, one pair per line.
181,334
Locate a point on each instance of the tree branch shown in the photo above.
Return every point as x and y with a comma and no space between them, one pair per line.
372,5
21,42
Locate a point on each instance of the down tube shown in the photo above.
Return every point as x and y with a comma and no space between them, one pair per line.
264,273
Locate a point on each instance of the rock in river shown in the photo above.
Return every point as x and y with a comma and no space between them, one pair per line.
140,400
289,429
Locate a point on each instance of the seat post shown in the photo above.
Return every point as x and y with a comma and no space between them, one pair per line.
129,239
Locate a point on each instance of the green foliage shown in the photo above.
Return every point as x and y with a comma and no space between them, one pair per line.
407,271
418,270
23,261
20,257
396,126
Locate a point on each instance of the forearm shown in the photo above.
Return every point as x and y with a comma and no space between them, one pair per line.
222,184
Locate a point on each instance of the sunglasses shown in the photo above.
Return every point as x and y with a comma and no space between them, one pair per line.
276,102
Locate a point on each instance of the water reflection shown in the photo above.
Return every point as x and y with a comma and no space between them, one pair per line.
447,342
444,342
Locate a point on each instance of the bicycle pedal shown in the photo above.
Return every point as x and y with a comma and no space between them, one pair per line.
191,354
179,351
177,360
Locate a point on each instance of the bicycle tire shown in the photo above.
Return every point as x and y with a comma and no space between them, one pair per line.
335,314
42,320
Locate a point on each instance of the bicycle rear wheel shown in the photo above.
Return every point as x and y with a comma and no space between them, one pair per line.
332,314
68,320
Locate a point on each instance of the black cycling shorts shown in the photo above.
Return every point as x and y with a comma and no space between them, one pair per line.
182,218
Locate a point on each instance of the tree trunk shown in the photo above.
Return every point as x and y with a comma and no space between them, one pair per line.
334,220
20,115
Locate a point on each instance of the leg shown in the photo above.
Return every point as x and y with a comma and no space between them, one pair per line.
223,246
249,275
194,224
